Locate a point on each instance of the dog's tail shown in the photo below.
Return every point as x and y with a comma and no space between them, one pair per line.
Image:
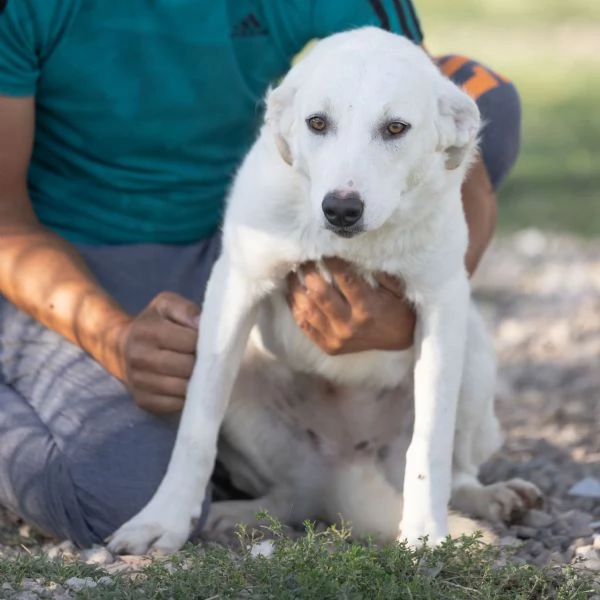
360,494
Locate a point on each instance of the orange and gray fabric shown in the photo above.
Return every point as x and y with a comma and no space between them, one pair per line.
500,107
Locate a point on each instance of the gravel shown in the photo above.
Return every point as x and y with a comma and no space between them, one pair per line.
540,294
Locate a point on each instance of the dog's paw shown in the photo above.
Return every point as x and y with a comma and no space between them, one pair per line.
219,522
508,501
505,501
151,530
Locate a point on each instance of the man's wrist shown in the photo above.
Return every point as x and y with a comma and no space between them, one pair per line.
105,335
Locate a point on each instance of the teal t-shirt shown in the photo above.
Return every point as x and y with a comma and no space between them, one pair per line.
146,107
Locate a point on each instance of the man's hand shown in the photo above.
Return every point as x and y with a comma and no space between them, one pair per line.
351,316
158,350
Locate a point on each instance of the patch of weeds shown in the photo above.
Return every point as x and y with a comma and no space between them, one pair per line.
325,565
14,570
322,565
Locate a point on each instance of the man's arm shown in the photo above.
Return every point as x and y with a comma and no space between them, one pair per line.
40,272
479,203
45,276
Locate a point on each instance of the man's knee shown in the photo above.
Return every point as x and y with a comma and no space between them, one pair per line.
85,509
499,103
83,486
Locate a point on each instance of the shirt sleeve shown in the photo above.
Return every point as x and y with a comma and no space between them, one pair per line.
29,30
398,16
19,62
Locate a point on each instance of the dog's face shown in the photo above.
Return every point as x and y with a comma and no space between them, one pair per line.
367,118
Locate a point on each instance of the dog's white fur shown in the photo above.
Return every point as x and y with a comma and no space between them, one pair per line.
318,436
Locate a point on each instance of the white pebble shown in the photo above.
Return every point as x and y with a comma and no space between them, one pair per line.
98,555
587,488
77,583
264,548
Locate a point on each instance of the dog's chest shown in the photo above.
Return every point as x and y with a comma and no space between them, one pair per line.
278,333
340,422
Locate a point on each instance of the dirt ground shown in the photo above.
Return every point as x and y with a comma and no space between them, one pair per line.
541,297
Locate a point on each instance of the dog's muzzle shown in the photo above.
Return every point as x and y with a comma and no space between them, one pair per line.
343,212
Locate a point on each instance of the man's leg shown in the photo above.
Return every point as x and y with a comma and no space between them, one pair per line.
500,107
77,457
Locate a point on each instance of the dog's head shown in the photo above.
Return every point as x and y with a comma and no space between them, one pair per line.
368,120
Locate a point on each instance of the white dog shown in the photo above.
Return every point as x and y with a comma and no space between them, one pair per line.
362,157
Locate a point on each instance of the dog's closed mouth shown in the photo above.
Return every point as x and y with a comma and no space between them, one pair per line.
345,232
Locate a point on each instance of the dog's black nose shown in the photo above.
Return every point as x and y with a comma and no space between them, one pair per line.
342,209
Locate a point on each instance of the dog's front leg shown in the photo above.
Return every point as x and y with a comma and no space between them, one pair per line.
227,317
440,344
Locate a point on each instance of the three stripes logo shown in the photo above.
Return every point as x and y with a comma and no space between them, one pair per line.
249,26
404,11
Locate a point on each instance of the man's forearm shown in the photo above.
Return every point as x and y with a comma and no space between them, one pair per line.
45,276
479,203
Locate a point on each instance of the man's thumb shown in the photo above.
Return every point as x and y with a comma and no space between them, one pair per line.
178,309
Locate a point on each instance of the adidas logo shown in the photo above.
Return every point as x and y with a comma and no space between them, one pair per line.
249,26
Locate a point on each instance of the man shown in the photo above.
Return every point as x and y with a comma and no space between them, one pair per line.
121,124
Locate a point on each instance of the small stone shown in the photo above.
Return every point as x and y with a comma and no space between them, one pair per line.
534,547
555,559
99,555
596,542
32,585
578,523
588,540
538,519
509,541
588,487
6,587
586,552
524,532
541,559
592,564
77,583
106,580
25,531
26,595
55,588
264,548
64,549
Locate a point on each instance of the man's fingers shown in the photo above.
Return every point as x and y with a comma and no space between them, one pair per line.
164,362
390,283
162,385
324,295
353,287
177,309
176,338
305,310
158,404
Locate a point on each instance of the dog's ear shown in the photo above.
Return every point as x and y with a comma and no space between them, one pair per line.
279,115
458,123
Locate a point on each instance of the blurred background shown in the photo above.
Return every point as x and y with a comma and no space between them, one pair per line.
539,283
551,50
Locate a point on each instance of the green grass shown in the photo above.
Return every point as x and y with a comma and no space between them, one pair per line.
551,50
322,566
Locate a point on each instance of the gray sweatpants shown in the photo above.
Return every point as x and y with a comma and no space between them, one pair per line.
77,457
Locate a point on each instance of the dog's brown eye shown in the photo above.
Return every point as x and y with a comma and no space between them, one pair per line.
396,128
317,124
